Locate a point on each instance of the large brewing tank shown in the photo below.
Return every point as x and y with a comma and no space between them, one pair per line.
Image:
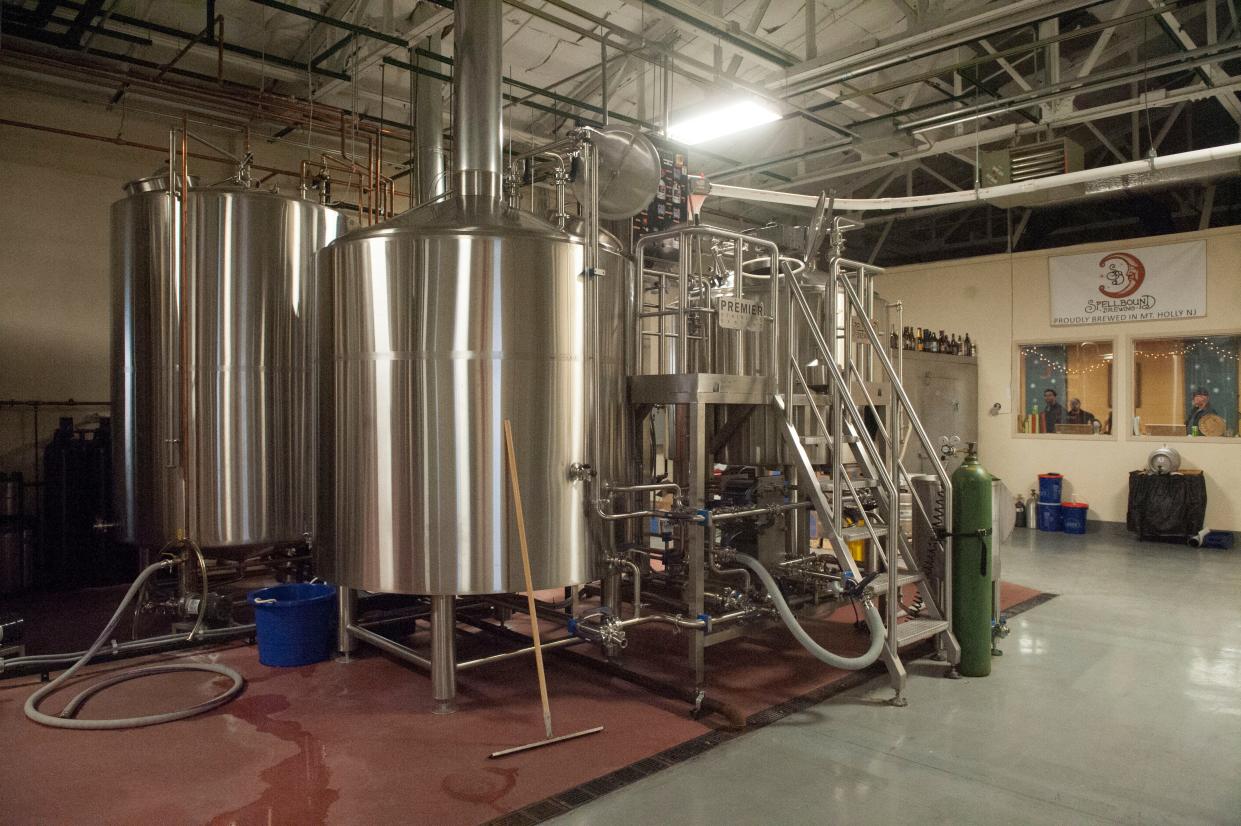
241,426
436,327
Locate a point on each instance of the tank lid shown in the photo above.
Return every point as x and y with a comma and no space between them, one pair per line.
157,182
454,214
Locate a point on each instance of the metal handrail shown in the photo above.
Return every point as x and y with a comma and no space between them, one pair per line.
886,363
874,535
682,309
904,401
838,379
855,415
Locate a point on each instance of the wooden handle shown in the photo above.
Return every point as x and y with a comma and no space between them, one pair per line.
525,569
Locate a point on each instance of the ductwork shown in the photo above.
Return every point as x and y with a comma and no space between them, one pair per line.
1104,180
429,129
477,101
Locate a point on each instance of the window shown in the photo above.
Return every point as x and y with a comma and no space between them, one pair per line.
1183,384
1066,388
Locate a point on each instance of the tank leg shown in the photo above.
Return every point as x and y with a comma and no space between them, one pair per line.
696,469
346,604
897,675
444,653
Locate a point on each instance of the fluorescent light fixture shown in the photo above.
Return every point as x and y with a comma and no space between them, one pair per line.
726,119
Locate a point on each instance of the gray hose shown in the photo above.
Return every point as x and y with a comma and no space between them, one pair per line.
873,621
66,720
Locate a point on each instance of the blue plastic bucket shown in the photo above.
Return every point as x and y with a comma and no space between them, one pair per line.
1050,516
1049,485
295,623
1074,516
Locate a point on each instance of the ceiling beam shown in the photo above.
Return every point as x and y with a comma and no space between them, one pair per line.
726,31
1105,36
1103,139
1009,131
1212,73
1005,65
1013,15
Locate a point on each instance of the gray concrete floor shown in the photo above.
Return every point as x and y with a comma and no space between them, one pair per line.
1117,702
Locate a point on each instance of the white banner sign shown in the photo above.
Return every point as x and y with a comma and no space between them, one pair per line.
1144,284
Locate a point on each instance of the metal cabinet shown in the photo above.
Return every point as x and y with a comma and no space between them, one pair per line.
944,392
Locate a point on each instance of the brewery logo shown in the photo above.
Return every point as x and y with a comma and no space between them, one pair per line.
1155,283
1123,273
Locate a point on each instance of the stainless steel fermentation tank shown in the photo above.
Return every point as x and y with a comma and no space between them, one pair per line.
439,325
240,428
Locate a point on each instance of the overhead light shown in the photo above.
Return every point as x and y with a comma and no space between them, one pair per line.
726,119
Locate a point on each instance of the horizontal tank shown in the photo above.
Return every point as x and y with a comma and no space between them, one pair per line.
240,427
438,326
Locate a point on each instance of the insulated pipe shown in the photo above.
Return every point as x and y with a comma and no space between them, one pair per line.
477,126
873,621
429,129
989,193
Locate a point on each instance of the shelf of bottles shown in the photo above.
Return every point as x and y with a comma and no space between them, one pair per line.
926,340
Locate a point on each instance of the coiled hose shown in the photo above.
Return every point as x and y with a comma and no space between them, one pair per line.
873,621
66,717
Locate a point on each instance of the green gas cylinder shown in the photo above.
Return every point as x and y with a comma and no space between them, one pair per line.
971,565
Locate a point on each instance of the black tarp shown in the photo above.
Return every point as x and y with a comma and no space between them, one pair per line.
1166,505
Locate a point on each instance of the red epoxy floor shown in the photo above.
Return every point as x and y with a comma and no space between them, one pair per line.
356,743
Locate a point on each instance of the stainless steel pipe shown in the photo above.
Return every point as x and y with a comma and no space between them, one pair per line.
384,644
477,104
429,129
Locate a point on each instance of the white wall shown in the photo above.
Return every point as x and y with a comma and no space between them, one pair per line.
1002,300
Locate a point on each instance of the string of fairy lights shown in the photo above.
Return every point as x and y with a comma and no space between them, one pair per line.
1052,365
1224,348
1223,353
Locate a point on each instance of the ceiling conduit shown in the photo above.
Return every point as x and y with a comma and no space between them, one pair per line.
1100,180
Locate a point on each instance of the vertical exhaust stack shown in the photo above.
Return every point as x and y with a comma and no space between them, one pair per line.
477,101
442,324
428,127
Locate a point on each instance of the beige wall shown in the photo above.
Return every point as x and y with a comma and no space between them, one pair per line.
1003,301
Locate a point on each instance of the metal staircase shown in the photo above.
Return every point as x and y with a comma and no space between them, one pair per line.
836,419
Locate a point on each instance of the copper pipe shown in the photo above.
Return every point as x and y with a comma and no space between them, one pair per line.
53,130
90,136
301,175
291,110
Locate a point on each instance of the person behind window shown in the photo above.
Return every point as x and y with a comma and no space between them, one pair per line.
1054,412
1202,407
1078,416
